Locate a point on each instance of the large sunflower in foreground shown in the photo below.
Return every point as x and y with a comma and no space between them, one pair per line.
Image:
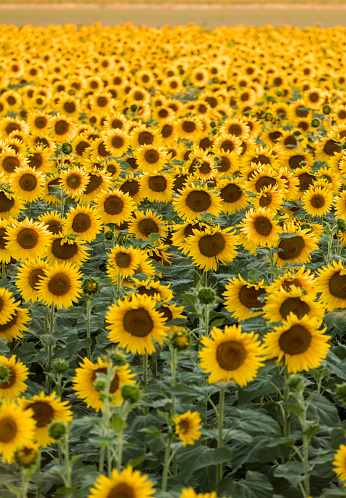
260,228
331,282
317,201
122,262
84,222
15,384
27,239
135,323
86,376
211,247
126,484
295,249
61,286
187,427
17,428
66,250
242,296
46,409
298,342
195,200
340,463
231,355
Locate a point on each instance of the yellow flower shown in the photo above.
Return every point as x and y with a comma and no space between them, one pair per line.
15,384
28,240
340,463
331,282
242,296
187,427
195,200
17,428
128,483
61,286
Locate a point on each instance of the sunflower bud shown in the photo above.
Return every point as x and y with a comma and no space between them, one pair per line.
90,286
268,116
296,382
5,374
315,123
181,339
26,456
100,384
341,225
340,393
206,295
326,109
109,235
66,148
215,81
56,430
130,393
212,124
60,366
181,71
133,107
117,357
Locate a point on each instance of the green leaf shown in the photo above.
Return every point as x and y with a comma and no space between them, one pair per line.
292,471
323,410
65,491
198,457
118,424
154,236
294,407
311,431
255,485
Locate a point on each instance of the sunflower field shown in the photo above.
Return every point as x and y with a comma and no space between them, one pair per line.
173,274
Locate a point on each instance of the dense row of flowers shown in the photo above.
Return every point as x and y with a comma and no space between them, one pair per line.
172,240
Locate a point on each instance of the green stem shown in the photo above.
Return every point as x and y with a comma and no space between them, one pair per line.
68,481
206,320
39,484
119,284
286,413
50,349
88,315
166,464
220,427
120,451
25,482
145,369
102,459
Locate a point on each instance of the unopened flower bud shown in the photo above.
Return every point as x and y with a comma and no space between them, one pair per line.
326,109
315,123
181,339
130,393
26,456
341,225
117,357
296,382
206,295
100,384
56,430
133,107
60,366
66,148
340,393
90,286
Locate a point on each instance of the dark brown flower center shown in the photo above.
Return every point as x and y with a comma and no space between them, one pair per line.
331,147
81,223
102,101
189,126
151,156
305,180
8,429
337,285
74,180
10,164
123,260
117,142
294,305
261,158
230,355
81,147
317,201
295,160
11,380
7,326
291,248
291,141
248,296
147,291
61,127
28,182
157,183
130,187
265,181
138,322
94,182
43,413
179,182
12,127
166,313
102,151
64,250
35,161
235,129
227,145
27,238
114,383
198,201
265,199
211,245
6,203
41,122
263,226
145,138
231,193
34,277
121,490
69,107
147,226
167,130
59,284
286,284
54,226
295,340
3,241
113,205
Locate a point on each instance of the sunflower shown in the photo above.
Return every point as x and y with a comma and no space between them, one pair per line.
116,142
27,239
145,267
171,312
340,463
226,164
14,327
39,159
264,177
141,135
186,230
73,181
116,121
153,289
10,160
131,185
5,255
68,106
151,158
231,355
270,199
135,324
27,183
87,374
299,342
195,200
260,229
28,276
7,305
46,141
327,148
211,247
15,384
189,128
10,205
97,182
46,409
63,129
233,197
190,493
236,127
295,300
146,223
227,143
295,249
340,205
53,221
8,125
317,201
331,282
156,187
84,222
242,297
61,286
39,121
126,484
17,428
187,427
302,278
122,262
